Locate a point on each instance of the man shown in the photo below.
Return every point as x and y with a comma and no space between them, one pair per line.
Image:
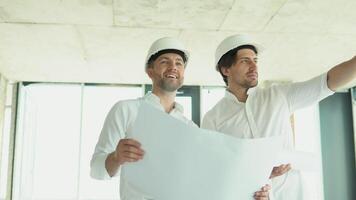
249,112
165,65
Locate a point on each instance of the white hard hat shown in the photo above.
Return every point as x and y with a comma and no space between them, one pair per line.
233,42
166,43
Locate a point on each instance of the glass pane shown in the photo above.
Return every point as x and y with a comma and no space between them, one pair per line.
186,102
307,139
209,97
5,153
353,100
97,102
50,150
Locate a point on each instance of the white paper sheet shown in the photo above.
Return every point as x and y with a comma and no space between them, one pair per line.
187,163
299,160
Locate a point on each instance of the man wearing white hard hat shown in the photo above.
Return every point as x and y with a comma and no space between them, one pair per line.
250,112
165,65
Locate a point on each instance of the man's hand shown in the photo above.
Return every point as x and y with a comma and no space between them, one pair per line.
280,170
263,194
128,150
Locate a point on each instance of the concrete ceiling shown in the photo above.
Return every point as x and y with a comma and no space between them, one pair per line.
105,41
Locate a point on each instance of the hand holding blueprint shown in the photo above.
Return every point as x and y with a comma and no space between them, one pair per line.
182,162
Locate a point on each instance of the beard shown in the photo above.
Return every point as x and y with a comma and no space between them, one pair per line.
249,84
169,85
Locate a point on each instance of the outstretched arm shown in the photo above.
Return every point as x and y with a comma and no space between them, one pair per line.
342,74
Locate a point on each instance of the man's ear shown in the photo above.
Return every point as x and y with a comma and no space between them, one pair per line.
149,71
225,71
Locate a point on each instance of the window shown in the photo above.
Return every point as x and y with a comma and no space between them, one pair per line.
58,128
97,101
47,149
210,96
353,100
307,139
4,157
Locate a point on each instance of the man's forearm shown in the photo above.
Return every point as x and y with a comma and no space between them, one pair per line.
111,164
342,74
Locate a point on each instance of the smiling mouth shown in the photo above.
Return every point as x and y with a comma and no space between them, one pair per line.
171,76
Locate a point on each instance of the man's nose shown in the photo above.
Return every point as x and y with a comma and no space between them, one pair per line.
173,66
253,65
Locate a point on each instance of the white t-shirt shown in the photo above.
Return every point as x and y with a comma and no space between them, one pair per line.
117,123
271,109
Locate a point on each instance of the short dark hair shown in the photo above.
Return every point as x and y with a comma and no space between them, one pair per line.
156,55
228,59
